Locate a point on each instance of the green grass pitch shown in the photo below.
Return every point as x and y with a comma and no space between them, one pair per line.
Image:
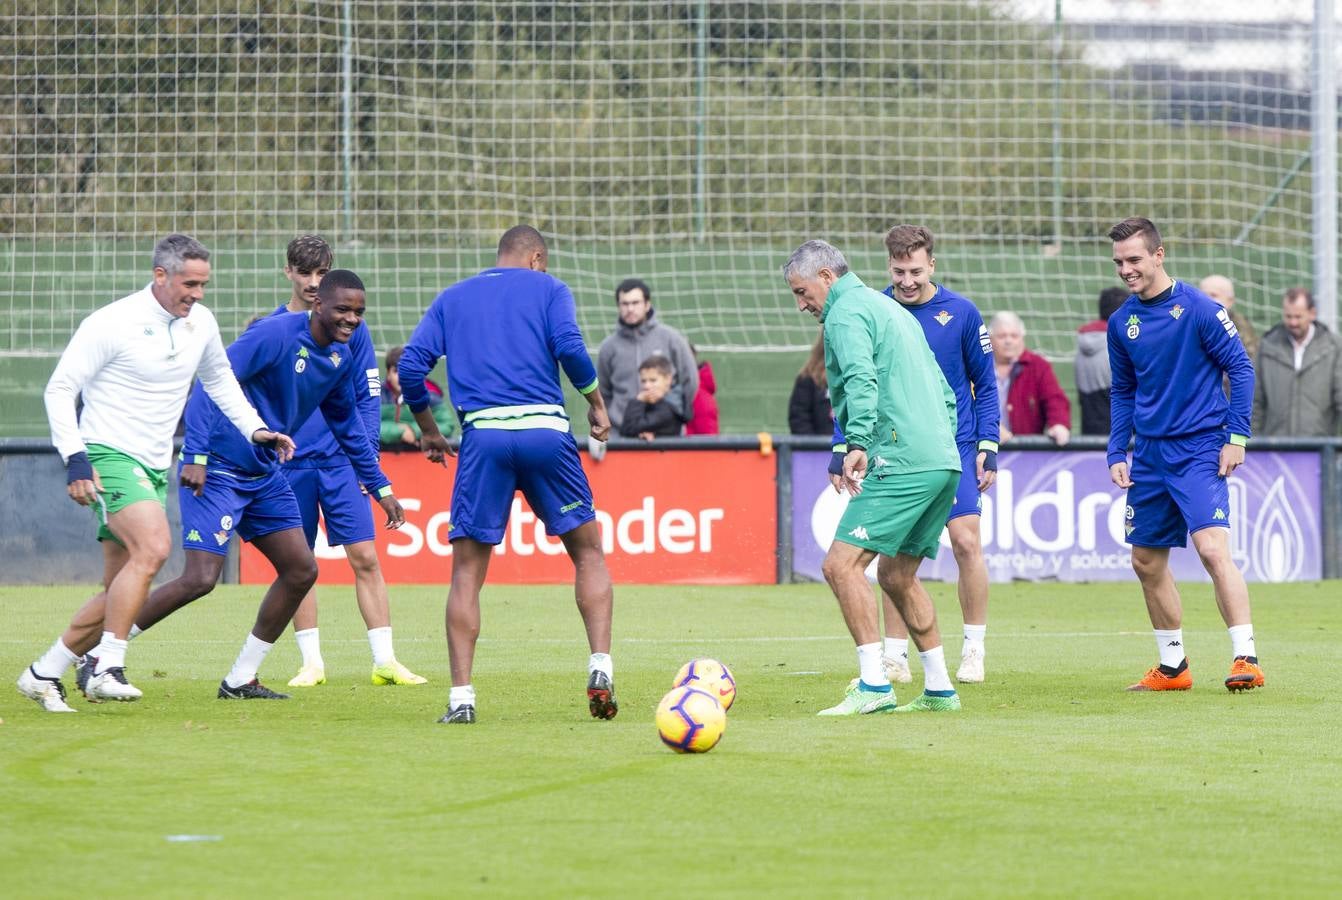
1052,782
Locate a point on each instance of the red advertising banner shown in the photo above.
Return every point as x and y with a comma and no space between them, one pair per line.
667,517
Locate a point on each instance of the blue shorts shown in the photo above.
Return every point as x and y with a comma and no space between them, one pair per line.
342,502
1175,489
254,506
495,464
968,497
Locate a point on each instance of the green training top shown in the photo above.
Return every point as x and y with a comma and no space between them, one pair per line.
888,393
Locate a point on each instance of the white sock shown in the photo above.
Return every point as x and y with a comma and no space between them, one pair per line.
461,695
55,661
974,634
935,677
601,662
869,666
110,652
897,648
379,639
253,653
134,631
1241,640
1170,644
310,645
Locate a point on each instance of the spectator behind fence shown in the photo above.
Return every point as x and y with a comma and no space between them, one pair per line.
637,336
704,417
1028,393
1092,364
1222,290
808,409
650,414
399,429
1298,374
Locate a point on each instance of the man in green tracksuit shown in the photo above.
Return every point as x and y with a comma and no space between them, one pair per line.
901,470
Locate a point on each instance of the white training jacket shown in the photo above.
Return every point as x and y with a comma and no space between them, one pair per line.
134,363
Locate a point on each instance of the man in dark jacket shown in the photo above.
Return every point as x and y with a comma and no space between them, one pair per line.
1092,364
1298,374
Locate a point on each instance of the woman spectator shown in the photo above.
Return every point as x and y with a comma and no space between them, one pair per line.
808,410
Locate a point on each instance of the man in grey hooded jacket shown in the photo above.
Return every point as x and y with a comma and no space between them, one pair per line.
1092,364
639,335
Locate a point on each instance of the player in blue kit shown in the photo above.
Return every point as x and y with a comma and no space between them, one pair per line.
1169,347
960,343
324,481
289,366
505,333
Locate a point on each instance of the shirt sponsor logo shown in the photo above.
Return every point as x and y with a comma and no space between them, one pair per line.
1134,327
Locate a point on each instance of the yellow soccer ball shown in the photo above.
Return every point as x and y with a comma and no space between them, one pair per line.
690,720
711,676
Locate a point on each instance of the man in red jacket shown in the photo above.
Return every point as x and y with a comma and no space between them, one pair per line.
1028,393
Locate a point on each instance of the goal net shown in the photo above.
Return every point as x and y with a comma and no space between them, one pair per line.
692,144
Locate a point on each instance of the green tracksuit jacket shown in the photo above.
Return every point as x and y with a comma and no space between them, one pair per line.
888,393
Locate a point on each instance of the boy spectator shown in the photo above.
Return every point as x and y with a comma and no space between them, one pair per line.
399,431
650,414
705,416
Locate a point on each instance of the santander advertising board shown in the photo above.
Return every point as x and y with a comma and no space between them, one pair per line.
675,517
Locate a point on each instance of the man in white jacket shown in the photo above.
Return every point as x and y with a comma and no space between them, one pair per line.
133,361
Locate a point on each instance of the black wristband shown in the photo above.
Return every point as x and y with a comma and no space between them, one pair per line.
78,468
989,460
836,463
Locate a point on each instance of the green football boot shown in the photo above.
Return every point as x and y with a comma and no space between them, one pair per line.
860,702
926,702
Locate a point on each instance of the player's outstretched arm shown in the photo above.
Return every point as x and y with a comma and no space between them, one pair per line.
282,444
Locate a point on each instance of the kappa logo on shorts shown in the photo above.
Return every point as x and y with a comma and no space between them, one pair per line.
860,533
193,535
1219,515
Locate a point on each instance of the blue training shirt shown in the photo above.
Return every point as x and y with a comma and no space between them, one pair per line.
317,447
505,333
1167,357
287,376
959,341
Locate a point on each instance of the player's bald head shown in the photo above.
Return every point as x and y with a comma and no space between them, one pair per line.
522,245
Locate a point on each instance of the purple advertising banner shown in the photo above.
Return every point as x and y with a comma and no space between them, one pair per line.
1057,516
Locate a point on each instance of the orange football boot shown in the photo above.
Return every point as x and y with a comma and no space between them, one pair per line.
1244,675
1156,680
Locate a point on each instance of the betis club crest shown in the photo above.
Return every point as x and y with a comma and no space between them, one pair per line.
943,317
1177,311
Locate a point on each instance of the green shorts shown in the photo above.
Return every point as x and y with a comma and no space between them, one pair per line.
125,481
901,513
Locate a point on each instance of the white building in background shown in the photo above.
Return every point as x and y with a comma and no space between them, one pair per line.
1230,36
